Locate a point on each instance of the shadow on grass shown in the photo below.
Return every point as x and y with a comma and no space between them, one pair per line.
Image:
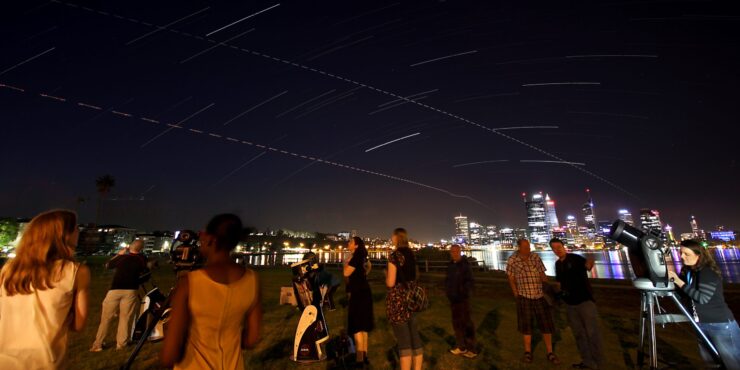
628,333
487,331
278,350
379,297
392,357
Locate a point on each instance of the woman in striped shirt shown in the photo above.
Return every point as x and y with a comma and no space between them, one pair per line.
701,281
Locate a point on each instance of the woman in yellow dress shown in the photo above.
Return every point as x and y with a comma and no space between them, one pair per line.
216,311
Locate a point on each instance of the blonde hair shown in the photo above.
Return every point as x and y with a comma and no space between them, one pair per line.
402,237
47,239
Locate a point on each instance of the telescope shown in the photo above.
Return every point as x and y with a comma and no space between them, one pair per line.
646,255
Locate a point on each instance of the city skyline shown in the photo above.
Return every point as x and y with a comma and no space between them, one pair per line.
344,115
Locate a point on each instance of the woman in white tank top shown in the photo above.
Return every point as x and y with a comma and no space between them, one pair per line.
43,294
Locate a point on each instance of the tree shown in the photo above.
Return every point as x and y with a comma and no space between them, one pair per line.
8,231
104,184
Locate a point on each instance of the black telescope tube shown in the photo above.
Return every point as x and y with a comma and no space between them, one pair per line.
625,234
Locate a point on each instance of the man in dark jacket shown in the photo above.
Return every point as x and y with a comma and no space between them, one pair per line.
458,284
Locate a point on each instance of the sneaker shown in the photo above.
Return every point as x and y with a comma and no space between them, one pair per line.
457,351
96,349
470,354
553,359
527,359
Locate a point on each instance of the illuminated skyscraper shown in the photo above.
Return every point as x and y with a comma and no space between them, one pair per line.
571,229
589,215
650,221
626,216
462,232
552,217
476,232
698,233
536,219
669,234
491,234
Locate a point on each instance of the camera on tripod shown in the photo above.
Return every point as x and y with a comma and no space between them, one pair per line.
185,252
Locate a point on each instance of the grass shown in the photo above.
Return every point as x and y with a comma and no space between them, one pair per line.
493,312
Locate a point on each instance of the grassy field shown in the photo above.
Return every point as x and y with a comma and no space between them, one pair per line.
493,312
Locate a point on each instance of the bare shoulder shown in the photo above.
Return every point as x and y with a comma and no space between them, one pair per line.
83,270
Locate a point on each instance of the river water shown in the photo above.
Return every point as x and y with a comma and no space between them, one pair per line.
610,264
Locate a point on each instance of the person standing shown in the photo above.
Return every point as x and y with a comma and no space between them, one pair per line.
700,281
131,265
526,274
43,294
360,315
216,310
402,269
459,284
583,318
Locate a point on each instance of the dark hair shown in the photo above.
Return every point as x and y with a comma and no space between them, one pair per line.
705,259
227,229
519,241
556,240
361,250
403,237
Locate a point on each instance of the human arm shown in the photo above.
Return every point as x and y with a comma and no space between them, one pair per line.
512,284
113,262
676,279
253,321
349,268
390,276
510,274
541,268
368,267
589,264
177,326
705,289
468,280
81,298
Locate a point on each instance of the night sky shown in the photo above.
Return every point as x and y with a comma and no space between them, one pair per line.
645,94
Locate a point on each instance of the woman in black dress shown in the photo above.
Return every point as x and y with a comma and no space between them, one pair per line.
360,297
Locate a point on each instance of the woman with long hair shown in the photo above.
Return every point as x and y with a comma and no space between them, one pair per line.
43,293
360,315
216,310
700,281
401,270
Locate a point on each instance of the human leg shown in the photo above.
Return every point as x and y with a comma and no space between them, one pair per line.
129,301
110,307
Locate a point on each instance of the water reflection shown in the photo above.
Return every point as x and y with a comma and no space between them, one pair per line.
610,264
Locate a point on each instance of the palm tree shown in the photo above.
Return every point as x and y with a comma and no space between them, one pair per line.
104,184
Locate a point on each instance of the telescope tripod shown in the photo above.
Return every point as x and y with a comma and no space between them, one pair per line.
649,318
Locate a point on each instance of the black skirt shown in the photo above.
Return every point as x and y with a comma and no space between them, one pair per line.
360,317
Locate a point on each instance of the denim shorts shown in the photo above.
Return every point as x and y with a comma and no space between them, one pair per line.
407,336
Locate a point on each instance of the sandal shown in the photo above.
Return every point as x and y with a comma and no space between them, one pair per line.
527,359
552,358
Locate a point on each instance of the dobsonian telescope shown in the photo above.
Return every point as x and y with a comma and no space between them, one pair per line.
647,257
312,330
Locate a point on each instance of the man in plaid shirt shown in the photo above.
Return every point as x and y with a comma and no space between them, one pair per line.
526,274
